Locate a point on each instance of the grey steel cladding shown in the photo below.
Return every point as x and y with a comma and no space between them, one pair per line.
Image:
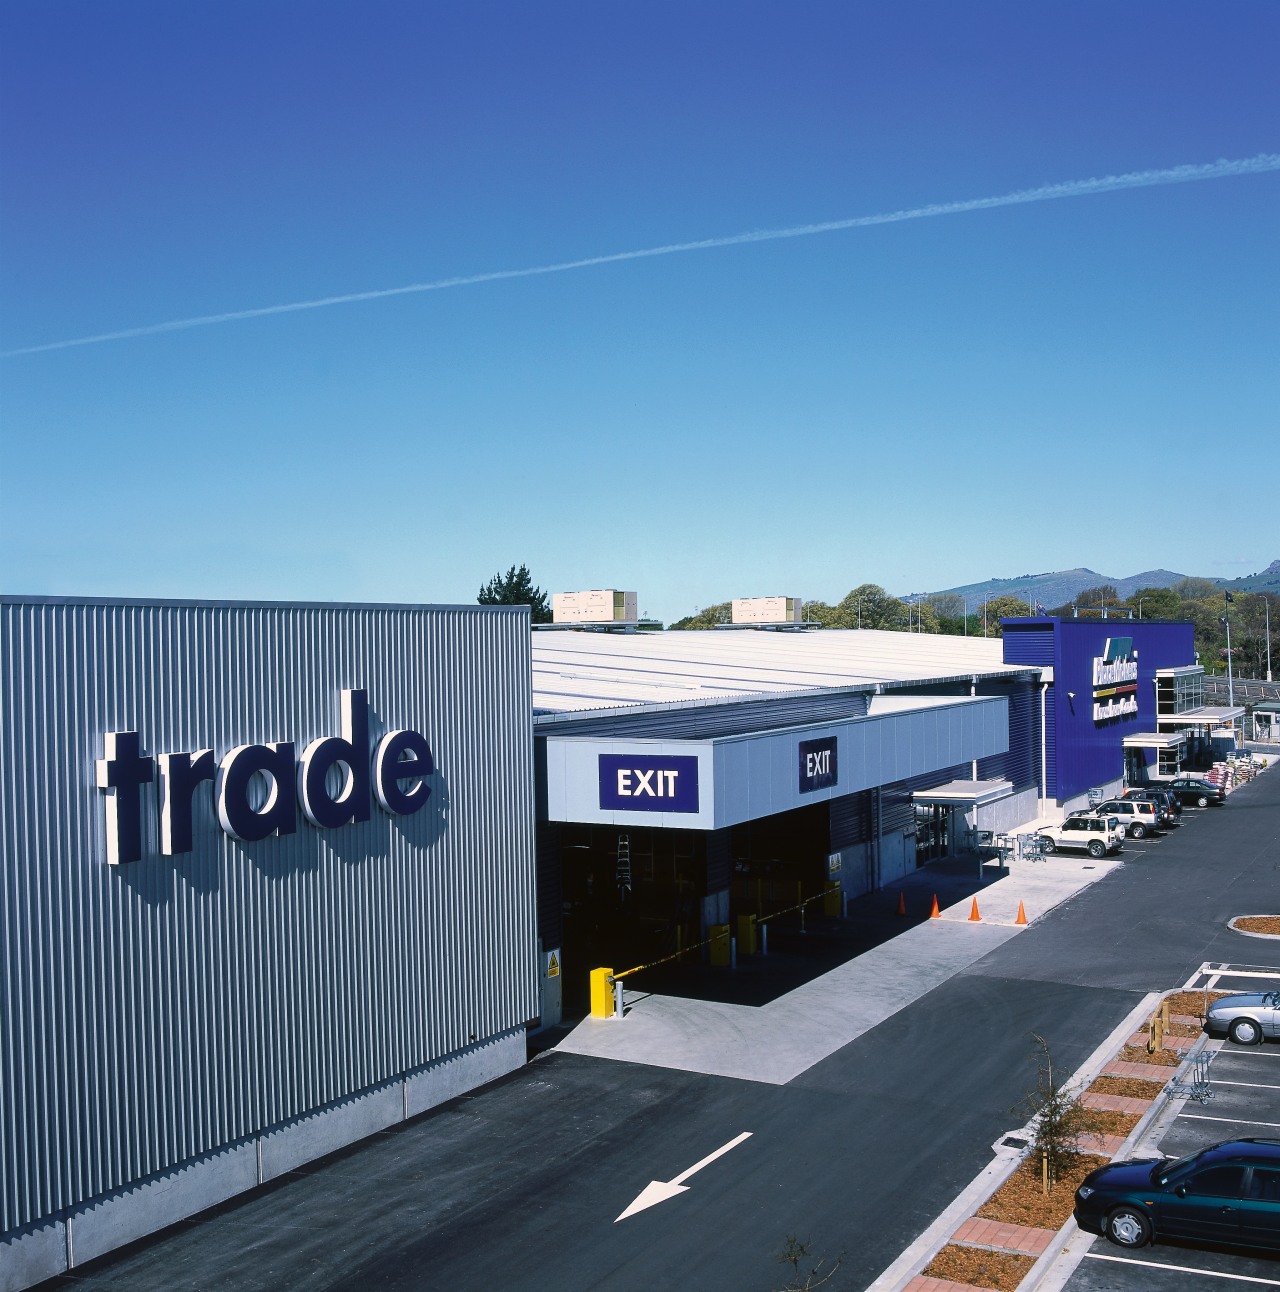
154,1011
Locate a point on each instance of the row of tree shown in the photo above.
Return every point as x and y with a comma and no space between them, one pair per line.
1207,606
868,605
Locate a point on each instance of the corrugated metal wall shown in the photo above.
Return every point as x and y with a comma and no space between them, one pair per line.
1030,642
850,819
1020,763
707,720
156,1010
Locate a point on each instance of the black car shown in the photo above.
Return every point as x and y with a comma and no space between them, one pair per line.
1169,804
1226,1193
1191,790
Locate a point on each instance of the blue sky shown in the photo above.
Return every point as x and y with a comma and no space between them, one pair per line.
921,404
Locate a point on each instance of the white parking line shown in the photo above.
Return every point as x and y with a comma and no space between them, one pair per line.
1249,1085
1182,1269
1234,1121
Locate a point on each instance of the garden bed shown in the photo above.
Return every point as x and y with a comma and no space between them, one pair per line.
1158,1058
1002,1271
1269,925
1127,1087
1021,1199
1191,1002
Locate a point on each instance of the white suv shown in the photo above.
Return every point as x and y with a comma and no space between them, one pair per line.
1096,835
1138,816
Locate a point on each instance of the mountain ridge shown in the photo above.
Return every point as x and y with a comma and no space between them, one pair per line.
1057,587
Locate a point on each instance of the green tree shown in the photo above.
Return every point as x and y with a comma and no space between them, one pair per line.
720,613
991,612
515,588
818,612
1059,1120
1156,603
946,605
1196,589
870,606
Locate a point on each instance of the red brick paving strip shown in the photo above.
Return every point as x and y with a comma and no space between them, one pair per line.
1170,1042
1005,1237
1115,1103
1160,1072
927,1283
1191,1020
1108,1144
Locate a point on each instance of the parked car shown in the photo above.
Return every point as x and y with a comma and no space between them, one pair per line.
1190,789
1139,817
1095,835
1226,1193
1170,807
1246,1017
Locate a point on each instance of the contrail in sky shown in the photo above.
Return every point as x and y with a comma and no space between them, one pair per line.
1221,169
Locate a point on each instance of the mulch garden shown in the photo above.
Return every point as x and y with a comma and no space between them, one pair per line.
1268,924
979,1268
1021,1199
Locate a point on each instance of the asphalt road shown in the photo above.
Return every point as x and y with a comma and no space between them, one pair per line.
519,1185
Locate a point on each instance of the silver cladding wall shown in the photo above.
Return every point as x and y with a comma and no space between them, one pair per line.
153,1011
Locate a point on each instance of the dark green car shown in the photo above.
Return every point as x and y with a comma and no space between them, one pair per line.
1227,1193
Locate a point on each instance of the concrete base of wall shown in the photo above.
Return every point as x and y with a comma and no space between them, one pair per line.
102,1224
1111,789
1004,816
31,1255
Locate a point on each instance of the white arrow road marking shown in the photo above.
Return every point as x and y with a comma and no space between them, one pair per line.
660,1190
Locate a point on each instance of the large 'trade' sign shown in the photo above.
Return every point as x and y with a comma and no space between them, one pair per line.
396,775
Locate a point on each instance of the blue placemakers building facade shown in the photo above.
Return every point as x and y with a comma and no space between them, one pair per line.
1115,694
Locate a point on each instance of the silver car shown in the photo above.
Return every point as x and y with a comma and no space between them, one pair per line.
1247,1017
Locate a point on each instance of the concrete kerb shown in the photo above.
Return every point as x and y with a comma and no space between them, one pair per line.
994,1174
1059,1261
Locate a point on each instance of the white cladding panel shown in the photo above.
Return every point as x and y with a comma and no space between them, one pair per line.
156,1010
742,778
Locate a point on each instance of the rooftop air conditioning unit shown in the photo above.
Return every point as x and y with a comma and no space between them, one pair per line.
597,606
767,610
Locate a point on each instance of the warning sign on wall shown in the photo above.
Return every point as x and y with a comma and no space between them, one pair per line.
553,965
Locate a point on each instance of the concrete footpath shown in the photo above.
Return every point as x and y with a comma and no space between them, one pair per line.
777,1041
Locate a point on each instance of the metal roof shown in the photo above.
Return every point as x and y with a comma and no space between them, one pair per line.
588,671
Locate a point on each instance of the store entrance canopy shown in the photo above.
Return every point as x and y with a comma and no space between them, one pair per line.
964,793
1155,740
1209,716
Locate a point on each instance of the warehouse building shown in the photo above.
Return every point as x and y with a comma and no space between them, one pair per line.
268,887
278,876
687,777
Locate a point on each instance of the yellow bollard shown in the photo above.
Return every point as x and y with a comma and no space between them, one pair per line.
747,934
601,993
719,935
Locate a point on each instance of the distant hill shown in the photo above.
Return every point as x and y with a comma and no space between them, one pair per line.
1057,587
1267,581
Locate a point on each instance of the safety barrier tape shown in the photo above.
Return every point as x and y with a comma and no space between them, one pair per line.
706,942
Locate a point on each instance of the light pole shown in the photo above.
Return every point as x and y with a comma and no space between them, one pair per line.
1267,606
1225,621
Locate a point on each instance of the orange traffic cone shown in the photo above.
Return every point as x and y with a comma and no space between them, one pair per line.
902,902
1022,914
935,914
973,912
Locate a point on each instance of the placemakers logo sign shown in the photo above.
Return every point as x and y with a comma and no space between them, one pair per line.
1115,680
333,782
